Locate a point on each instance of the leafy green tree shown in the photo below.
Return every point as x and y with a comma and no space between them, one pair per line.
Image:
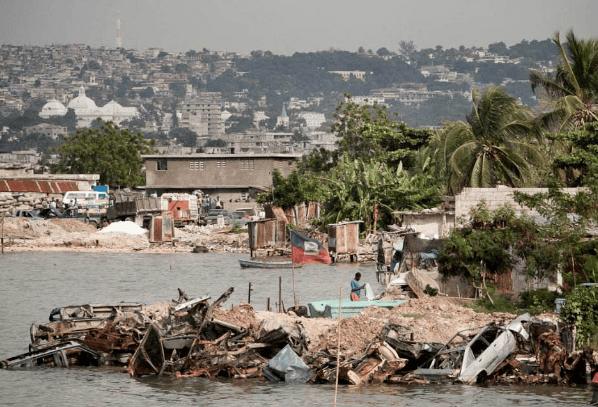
370,191
383,52
581,310
216,143
294,189
494,146
499,48
574,88
147,93
178,89
407,48
181,68
185,136
568,219
240,124
367,132
317,161
112,153
581,157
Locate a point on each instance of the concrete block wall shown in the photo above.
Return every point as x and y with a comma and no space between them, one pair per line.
495,198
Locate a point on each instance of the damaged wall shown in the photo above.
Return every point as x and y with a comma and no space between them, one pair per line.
432,223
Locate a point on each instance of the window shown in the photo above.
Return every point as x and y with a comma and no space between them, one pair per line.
221,164
196,165
162,165
246,165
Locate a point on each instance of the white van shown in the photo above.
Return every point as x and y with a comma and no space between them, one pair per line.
84,198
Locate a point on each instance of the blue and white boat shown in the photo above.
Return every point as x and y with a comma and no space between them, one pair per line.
348,308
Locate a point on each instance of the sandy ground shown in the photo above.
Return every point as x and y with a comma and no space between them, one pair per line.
20,234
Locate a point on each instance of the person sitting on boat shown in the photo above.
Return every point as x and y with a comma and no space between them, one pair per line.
356,288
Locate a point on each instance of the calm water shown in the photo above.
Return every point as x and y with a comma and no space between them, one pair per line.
32,284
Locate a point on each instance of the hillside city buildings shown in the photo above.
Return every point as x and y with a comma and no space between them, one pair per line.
156,92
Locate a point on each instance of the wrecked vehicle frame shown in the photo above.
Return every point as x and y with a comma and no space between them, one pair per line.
476,359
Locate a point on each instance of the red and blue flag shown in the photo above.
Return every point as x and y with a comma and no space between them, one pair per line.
304,249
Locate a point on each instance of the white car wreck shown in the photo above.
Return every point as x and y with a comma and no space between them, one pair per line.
472,361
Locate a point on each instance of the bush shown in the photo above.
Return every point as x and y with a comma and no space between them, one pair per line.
538,301
502,303
581,310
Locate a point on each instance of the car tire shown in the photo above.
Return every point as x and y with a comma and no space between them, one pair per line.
93,223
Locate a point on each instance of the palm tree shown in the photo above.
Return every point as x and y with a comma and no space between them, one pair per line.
494,146
574,89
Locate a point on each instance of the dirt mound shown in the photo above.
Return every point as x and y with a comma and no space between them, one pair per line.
74,226
241,315
315,328
356,334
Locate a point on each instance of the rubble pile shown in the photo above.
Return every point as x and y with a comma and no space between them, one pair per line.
316,330
357,334
242,315
26,201
435,319
406,344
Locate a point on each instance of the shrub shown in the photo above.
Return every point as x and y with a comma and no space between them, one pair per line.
581,310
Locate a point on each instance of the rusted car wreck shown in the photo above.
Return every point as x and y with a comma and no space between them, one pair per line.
194,337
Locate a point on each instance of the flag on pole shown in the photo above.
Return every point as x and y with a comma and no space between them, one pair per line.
304,249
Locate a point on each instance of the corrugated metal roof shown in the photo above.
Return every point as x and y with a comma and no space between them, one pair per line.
48,187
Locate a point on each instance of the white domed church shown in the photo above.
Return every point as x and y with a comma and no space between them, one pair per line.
87,111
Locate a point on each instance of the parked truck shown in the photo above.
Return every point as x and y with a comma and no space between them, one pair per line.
134,207
184,208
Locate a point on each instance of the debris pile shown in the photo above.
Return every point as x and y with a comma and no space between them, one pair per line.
421,341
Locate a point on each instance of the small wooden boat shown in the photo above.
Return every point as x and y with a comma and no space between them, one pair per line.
268,264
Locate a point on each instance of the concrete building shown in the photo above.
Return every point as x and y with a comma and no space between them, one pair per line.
87,111
48,130
348,74
283,119
203,114
313,120
235,178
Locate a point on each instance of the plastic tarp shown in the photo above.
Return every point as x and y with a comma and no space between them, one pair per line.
288,365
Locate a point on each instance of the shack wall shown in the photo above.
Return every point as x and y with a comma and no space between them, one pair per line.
343,238
263,234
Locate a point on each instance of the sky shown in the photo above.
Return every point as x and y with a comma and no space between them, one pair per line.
285,27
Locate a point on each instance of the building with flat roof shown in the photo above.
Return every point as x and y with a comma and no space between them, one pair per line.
203,114
234,178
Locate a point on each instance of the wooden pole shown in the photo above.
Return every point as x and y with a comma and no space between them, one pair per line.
2,241
294,292
249,294
268,304
279,294
338,352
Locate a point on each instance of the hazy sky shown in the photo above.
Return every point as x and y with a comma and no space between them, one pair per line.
285,27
